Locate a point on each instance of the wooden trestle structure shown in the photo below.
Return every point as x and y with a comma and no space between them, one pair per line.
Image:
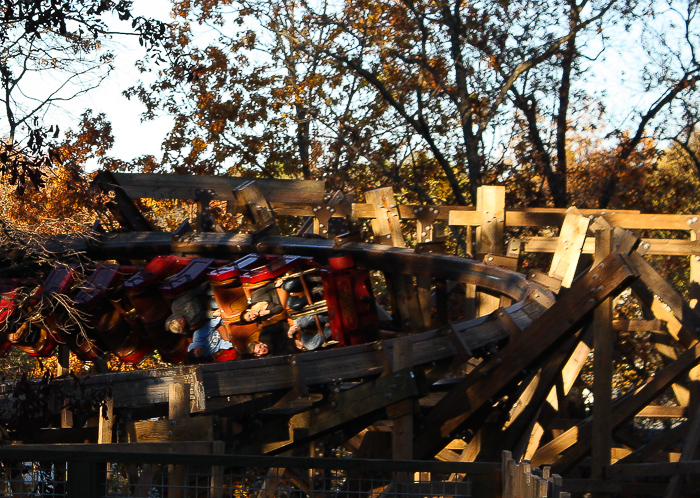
498,379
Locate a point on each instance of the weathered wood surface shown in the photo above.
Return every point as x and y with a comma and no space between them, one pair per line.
463,401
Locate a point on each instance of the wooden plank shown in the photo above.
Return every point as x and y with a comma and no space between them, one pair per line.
531,217
188,429
171,186
601,443
659,247
638,325
386,223
408,311
463,401
569,246
249,199
654,411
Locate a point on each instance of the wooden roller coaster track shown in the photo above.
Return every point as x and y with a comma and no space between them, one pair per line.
460,390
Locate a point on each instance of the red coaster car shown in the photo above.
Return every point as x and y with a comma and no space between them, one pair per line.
351,309
186,293
109,325
228,292
21,296
146,302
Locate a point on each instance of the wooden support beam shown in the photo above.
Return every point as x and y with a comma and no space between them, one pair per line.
408,310
346,407
463,401
659,247
661,287
602,366
171,186
571,446
386,223
179,401
106,422
656,445
490,202
402,412
684,323
122,207
250,200
539,396
425,220
569,247
202,428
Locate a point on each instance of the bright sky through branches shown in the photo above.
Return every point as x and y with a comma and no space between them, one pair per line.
132,138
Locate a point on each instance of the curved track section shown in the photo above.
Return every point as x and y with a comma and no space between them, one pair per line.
241,377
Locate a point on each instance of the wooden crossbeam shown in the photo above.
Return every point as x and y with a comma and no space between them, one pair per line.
172,186
688,317
122,206
201,428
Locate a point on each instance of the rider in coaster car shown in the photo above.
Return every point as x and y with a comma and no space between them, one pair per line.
265,307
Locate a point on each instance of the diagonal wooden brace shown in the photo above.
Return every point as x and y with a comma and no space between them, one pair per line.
456,408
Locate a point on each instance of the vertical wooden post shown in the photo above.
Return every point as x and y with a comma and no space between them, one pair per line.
694,297
217,472
402,433
491,203
602,369
178,408
402,430
386,227
63,360
179,400
386,223
105,423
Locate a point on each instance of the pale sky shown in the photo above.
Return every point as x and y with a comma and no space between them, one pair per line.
132,137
